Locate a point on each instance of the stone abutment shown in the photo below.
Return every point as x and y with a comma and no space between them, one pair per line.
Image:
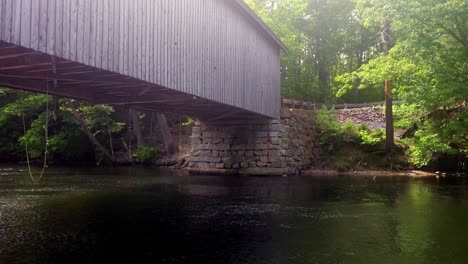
265,147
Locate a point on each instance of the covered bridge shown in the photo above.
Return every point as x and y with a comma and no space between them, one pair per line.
209,59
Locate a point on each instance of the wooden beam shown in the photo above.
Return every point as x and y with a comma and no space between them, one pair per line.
139,100
12,56
230,113
24,66
40,86
80,72
57,77
12,50
43,90
144,90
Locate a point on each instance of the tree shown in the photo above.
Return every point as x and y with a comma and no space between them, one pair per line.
389,131
86,129
427,68
325,38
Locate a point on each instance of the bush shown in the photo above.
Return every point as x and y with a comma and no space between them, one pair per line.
333,133
348,145
147,155
371,137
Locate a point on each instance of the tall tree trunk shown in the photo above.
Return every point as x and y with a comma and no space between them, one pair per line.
134,115
389,133
88,133
111,144
166,133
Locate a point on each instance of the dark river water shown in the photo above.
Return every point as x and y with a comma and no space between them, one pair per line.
144,215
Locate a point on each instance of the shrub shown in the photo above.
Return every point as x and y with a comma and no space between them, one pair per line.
147,155
371,137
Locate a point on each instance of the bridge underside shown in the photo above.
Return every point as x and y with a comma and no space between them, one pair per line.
26,69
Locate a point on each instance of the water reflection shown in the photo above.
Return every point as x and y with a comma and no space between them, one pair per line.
130,215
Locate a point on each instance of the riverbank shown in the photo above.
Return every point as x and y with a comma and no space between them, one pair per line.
272,172
371,173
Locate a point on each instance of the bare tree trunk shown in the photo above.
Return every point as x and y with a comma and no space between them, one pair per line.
389,139
134,115
88,133
166,133
111,144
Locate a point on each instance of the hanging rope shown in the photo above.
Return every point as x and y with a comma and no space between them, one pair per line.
46,136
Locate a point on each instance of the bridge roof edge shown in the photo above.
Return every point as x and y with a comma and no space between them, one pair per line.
246,9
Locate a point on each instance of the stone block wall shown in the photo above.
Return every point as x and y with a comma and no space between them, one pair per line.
283,146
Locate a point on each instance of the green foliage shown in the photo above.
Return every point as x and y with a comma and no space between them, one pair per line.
35,137
441,133
99,118
324,38
428,68
371,138
66,141
147,155
22,103
350,146
334,50
407,115
334,134
189,122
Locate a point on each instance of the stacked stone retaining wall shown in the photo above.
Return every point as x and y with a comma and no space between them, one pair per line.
273,147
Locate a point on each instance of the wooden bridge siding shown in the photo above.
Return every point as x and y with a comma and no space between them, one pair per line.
208,48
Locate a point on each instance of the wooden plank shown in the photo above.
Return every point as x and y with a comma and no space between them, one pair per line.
40,87
151,41
59,30
15,31
144,39
6,19
157,46
122,31
17,55
23,61
137,37
99,33
93,33
42,25
25,34
131,39
144,90
81,48
51,20
86,56
105,35
66,16
128,101
74,30
144,99
116,35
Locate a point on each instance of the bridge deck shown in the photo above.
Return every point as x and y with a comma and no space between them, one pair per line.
26,69
203,58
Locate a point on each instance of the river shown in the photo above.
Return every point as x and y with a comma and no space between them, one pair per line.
146,215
